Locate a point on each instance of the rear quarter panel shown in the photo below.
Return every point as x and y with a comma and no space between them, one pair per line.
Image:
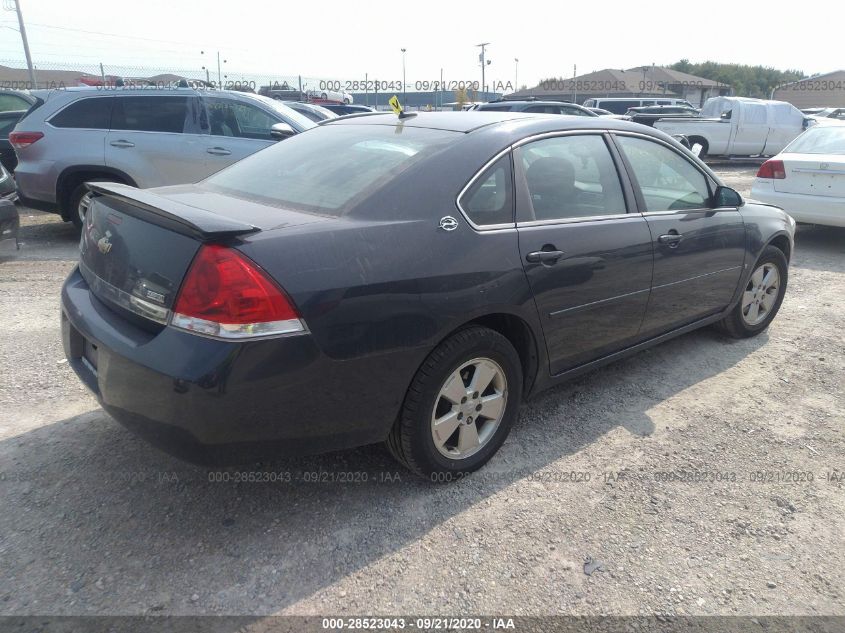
380,288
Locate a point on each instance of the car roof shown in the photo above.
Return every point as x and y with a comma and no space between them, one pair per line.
473,120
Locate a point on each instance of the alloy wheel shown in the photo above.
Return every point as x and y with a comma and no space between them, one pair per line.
760,294
469,408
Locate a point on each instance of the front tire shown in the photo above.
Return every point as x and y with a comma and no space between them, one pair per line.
460,406
761,298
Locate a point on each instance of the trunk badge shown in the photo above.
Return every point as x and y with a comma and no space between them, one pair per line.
448,223
103,243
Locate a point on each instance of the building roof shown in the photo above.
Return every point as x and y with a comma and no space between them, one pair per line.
646,80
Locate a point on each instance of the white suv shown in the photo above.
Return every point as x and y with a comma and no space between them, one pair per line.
146,137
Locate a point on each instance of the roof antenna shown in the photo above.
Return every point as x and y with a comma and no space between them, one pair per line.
397,108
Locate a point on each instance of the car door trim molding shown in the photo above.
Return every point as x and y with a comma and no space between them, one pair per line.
592,304
577,220
683,281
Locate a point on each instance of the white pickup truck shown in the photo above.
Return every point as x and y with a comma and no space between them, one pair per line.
738,126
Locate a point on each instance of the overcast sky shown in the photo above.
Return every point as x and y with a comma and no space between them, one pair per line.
344,40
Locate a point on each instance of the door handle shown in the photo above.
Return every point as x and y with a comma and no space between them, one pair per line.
544,257
671,239
218,151
122,143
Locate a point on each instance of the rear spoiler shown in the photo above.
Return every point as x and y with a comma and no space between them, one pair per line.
171,214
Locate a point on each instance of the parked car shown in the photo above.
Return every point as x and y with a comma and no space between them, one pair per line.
620,105
536,107
737,126
826,115
334,96
313,111
377,279
647,115
9,219
807,179
142,137
8,121
15,100
282,92
341,109
600,111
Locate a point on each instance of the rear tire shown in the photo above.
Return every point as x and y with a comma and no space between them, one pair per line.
761,298
460,406
79,199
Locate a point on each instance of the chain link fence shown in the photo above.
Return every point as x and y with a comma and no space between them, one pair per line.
370,90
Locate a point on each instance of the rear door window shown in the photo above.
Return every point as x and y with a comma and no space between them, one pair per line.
570,177
154,113
91,113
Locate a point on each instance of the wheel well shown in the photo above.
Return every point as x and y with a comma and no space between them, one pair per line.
781,242
71,180
701,141
520,336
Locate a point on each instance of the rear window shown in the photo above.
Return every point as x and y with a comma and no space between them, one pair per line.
819,140
92,113
329,168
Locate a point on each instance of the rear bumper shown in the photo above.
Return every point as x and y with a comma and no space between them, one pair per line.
217,402
829,211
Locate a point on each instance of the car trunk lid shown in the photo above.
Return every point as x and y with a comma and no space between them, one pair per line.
813,174
137,245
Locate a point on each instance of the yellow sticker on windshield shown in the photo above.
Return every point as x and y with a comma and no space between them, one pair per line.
395,105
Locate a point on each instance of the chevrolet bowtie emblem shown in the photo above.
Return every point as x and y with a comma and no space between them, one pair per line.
104,245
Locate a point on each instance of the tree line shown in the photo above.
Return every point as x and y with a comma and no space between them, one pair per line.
745,81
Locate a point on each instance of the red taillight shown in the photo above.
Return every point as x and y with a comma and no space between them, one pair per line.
225,294
772,169
19,140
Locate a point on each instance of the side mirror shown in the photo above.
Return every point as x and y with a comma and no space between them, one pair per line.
281,131
727,197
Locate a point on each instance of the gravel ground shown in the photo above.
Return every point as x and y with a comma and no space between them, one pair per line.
95,521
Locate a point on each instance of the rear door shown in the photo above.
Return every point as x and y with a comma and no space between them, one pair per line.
699,251
588,260
236,130
156,139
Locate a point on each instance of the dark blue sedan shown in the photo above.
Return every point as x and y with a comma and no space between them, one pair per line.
406,280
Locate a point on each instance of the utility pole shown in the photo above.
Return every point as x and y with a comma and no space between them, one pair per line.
219,74
404,85
574,83
25,45
516,74
482,46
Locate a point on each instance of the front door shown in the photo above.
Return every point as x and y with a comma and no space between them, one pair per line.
237,130
699,251
588,261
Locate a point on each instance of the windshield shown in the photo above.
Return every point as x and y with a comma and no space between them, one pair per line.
298,120
328,169
819,140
